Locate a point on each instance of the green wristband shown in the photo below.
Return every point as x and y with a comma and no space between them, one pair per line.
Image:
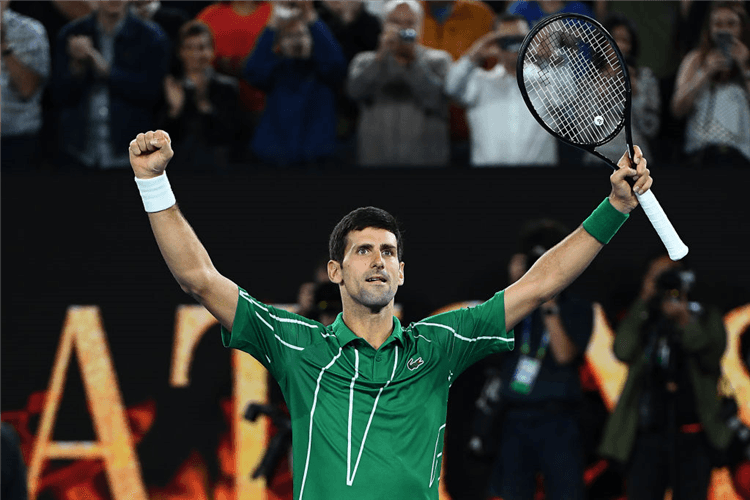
604,222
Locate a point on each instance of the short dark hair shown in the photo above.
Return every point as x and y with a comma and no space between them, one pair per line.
357,220
194,28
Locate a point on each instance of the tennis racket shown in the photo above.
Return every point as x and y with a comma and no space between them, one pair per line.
575,82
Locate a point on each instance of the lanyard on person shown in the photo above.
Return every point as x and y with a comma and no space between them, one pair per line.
528,368
526,340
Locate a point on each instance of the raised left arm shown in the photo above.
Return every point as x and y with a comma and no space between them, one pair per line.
564,262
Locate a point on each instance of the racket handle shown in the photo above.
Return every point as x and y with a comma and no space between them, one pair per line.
675,247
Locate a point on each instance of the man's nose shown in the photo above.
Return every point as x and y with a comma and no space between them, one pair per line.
377,260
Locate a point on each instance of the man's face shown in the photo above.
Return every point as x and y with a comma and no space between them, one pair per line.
113,8
295,41
401,18
196,52
370,272
623,39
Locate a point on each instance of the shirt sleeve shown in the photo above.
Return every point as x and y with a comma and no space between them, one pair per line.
469,334
271,335
33,48
460,82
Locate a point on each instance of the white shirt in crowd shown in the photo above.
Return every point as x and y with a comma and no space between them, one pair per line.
503,131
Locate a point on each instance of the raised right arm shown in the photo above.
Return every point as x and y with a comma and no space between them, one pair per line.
183,252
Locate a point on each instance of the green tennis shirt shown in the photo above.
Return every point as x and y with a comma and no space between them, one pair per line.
367,423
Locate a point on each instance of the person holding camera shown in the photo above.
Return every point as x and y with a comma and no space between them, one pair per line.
503,132
712,91
399,88
667,425
300,66
536,416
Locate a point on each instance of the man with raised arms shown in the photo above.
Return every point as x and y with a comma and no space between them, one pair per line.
368,396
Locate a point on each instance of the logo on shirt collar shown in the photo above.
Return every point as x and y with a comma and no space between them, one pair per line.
413,364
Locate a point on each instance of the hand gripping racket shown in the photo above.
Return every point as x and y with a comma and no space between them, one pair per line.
575,83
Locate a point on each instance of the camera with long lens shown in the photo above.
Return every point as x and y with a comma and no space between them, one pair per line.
661,342
279,445
483,440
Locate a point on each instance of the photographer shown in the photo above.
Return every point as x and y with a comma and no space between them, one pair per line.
669,407
399,87
537,415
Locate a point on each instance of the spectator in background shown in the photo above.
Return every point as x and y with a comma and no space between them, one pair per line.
357,31
107,81
534,11
54,15
169,19
236,27
354,28
453,26
403,111
646,100
667,423
713,90
503,131
541,389
202,110
25,68
299,65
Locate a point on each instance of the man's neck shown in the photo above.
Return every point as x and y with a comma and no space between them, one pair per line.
551,6
108,22
374,327
244,8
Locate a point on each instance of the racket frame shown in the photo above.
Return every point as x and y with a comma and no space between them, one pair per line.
625,122
655,213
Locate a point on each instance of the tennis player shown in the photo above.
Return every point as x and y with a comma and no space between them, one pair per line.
367,395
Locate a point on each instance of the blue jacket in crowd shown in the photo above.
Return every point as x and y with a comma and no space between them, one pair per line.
135,83
299,121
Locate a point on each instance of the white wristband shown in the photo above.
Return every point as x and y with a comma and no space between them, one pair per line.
156,193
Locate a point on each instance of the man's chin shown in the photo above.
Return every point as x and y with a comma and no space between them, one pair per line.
377,304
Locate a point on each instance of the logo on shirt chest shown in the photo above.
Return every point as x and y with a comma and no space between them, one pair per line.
413,364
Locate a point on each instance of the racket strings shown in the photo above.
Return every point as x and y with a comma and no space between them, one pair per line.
575,82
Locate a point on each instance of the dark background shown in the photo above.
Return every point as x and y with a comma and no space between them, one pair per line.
85,239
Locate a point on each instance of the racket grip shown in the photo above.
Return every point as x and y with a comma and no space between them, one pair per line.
675,247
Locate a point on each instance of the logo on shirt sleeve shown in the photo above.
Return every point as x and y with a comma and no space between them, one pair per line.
413,364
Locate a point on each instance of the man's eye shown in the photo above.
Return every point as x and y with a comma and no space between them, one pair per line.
362,251
388,252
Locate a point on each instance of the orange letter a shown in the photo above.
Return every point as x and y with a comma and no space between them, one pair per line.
83,328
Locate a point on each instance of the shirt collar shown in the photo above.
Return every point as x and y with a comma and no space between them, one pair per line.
345,335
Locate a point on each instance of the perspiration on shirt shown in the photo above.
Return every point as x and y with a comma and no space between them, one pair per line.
367,423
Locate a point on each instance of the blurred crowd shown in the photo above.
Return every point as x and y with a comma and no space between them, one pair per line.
340,84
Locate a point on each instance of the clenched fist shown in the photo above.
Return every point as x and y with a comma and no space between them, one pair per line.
150,153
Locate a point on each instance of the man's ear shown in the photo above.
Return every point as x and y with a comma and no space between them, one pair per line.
334,272
401,273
